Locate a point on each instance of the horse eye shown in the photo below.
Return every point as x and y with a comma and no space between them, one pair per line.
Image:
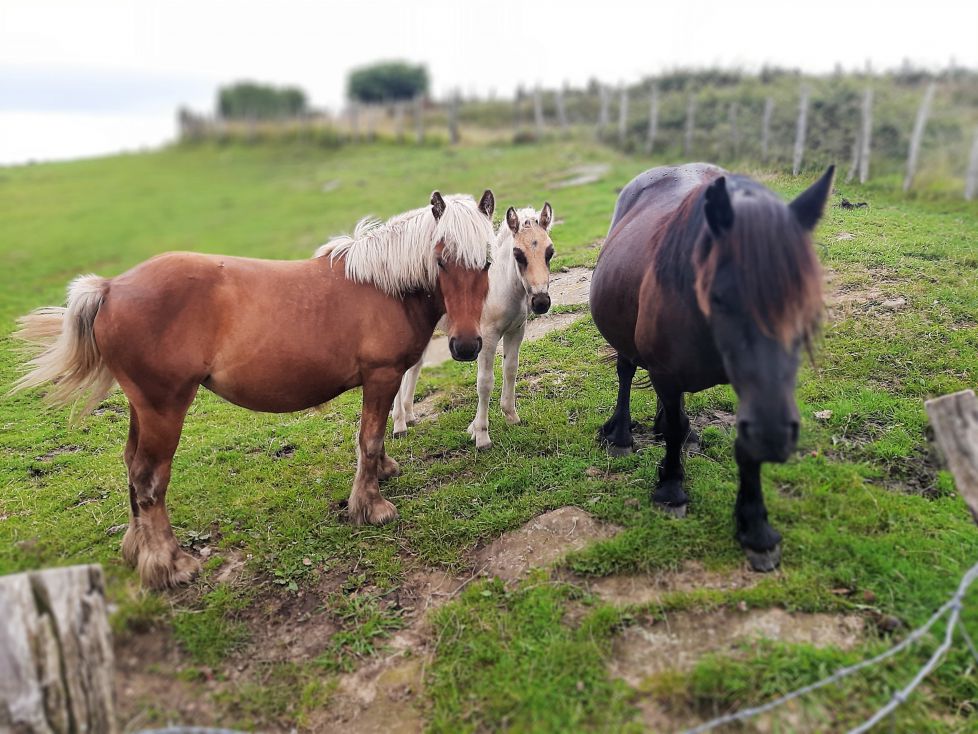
441,264
519,255
488,263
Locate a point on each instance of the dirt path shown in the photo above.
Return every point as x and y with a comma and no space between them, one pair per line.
566,289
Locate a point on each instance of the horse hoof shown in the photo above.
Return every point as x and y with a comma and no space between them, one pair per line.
615,450
483,446
677,511
381,513
764,561
511,418
400,434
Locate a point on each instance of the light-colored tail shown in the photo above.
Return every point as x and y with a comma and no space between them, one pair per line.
62,344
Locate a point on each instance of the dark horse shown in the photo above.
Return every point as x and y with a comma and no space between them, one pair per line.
705,279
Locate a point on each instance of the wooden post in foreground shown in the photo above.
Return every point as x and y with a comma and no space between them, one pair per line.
56,663
955,421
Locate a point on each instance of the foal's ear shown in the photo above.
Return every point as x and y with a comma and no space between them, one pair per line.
719,211
513,220
487,204
546,216
437,204
810,204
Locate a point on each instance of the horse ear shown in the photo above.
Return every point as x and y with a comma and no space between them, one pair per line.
810,204
546,216
512,220
719,211
437,204
487,204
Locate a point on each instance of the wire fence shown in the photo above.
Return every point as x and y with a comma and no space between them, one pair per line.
922,129
951,609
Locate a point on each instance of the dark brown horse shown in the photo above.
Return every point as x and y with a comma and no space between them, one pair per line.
266,335
707,279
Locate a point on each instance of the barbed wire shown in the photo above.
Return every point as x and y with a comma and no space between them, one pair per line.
952,608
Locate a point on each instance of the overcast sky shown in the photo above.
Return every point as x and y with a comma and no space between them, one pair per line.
81,77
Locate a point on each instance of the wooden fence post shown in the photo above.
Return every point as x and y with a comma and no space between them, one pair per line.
419,118
918,135
622,114
560,103
653,119
800,131
603,110
538,112
690,124
354,116
955,421
766,127
734,134
399,121
56,666
866,135
453,118
971,181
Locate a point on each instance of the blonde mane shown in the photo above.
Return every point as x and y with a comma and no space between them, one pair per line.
398,256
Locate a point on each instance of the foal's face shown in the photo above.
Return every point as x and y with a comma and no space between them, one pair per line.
533,250
464,292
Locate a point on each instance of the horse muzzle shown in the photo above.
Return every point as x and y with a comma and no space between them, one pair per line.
768,443
465,350
540,303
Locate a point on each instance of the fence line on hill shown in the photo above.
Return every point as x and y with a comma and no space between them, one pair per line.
870,120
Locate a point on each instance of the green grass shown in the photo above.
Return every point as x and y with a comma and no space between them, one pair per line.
862,506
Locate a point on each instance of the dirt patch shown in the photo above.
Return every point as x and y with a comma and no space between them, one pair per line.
677,643
649,588
540,542
878,293
61,450
570,288
149,688
581,175
535,329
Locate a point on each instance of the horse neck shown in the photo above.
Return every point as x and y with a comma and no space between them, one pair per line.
505,283
425,307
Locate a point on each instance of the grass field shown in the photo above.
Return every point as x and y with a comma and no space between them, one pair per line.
872,527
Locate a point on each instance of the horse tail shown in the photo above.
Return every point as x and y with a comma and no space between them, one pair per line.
62,344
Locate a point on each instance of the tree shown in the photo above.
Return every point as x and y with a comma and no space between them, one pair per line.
387,81
253,101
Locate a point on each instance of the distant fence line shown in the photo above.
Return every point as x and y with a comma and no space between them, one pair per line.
797,124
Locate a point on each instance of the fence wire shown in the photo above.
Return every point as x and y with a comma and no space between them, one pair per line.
951,608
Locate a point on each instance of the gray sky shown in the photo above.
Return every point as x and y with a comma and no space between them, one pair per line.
80,77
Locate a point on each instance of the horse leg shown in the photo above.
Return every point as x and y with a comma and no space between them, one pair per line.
160,560
616,433
669,493
511,358
366,506
760,541
404,401
479,427
130,544
659,424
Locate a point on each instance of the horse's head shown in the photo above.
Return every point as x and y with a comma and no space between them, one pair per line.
758,283
533,249
462,286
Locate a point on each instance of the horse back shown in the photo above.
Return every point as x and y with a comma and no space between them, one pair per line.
642,215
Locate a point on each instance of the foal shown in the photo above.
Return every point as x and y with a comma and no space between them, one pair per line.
267,335
519,280
707,279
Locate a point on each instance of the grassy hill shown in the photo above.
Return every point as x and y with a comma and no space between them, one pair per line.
872,527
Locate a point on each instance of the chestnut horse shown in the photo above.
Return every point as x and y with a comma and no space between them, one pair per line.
267,335
707,279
